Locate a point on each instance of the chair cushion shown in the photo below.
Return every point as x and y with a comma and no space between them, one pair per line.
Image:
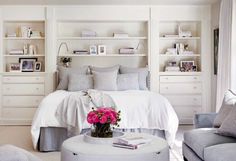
199,139
222,152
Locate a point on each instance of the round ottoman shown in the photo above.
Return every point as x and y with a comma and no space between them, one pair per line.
76,149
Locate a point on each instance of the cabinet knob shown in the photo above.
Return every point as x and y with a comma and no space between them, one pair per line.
194,87
195,99
37,88
195,78
37,78
167,88
167,78
8,88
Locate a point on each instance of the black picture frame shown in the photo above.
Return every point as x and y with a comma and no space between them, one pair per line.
216,49
29,67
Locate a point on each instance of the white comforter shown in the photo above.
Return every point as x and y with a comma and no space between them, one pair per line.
139,109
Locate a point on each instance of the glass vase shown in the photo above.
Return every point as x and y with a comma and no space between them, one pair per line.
101,130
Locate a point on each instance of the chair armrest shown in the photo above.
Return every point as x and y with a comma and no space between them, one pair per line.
204,120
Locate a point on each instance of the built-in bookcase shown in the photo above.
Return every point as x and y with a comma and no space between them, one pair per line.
19,41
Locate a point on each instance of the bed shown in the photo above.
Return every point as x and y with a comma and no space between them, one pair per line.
142,111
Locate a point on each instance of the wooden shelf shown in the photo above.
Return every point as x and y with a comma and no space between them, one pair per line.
23,38
23,73
101,38
108,55
181,55
179,38
24,56
179,73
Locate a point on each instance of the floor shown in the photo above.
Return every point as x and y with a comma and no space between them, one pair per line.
20,136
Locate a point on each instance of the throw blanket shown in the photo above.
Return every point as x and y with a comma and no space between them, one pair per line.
12,153
73,110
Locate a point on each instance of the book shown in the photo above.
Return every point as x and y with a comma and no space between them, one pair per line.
16,52
80,52
126,51
121,34
127,146
134,140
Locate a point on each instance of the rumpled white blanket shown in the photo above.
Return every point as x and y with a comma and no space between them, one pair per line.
72,111
139,109
12,153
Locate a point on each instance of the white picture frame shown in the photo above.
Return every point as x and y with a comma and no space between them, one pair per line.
101,49
93,50
37,67
14,67
187,65
27,64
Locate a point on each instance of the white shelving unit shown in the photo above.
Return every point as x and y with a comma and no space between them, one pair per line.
137,36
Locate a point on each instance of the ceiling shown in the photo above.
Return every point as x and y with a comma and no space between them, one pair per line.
107,2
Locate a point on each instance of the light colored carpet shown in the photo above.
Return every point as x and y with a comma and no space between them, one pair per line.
20,137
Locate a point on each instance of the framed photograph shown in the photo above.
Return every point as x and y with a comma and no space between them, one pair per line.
27,64
14,67
187,65
93,50
101,50
194,68
216,46
37,66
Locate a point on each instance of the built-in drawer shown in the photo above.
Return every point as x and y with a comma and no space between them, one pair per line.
23,79
185,100
176,79
21,101
23,89
180,88
18,113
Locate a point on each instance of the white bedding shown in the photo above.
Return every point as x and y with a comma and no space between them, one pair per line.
139,109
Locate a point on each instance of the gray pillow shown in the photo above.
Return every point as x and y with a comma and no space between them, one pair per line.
127,82
228,127
104,69
106,81
80,82
64,75
142,72
227,105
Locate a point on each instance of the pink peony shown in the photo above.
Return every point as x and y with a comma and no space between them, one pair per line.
103,119
95,119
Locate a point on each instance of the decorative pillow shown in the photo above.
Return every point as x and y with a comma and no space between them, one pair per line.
228,127
227,105
106,81
64,75
80,82
142,72
127,82
104,69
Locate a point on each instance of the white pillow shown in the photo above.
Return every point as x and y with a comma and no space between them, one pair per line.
79,82
127,82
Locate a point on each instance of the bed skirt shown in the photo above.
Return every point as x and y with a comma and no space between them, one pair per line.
51,138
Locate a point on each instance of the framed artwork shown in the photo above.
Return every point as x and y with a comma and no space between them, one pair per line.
14,67
216,47
101,50
37,66
93,50
27,64
186,66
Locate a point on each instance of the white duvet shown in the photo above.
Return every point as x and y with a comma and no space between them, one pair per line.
139,109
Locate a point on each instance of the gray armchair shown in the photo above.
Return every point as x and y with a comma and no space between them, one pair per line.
204,120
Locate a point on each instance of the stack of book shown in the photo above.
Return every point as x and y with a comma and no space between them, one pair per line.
131,142
88,33
120,34
80,52
16,52
126,50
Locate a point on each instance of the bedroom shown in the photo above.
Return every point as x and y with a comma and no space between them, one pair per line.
165,65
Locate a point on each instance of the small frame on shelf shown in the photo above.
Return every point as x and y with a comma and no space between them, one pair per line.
93,49
187,66
27,64
37,66
101,50
14,67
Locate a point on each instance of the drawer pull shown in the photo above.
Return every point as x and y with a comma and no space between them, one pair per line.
195,78
37,101
194,87
195,99
166,78
8,88
167,88
37,78
37,88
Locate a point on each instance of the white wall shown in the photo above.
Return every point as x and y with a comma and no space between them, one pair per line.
215,11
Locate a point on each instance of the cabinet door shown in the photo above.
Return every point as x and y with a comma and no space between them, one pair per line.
23,89
180,88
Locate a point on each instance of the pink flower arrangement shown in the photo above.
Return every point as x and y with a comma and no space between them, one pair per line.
103,115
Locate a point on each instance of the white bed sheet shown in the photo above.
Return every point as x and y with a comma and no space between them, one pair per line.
139,109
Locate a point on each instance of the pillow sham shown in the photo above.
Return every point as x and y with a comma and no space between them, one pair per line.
80,82
106,81
104,69
227,105
127,82
64,75
142,74
228,127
